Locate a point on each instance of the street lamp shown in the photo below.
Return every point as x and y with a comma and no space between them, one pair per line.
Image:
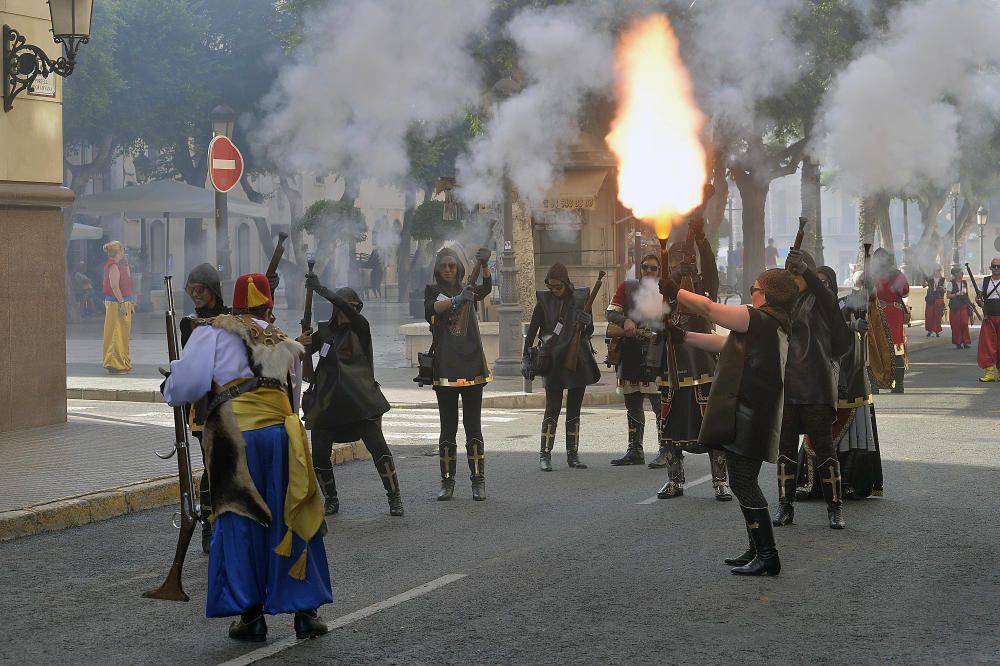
223,121
23,62
982,217
956,191
904,264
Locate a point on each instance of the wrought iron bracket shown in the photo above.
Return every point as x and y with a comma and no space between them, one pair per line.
23,63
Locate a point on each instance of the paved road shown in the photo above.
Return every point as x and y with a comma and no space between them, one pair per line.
571,567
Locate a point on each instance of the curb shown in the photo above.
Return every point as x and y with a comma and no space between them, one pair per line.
105,504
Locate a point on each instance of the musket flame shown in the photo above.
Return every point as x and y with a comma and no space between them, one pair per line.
656,134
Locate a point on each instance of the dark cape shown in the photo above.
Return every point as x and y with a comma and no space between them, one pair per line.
548,313
747,399
346,394
459,359
852,385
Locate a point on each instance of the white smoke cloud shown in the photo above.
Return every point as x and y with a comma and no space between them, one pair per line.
564,52
891,120
649,304
365,73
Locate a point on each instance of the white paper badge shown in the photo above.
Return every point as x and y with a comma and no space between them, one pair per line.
325,349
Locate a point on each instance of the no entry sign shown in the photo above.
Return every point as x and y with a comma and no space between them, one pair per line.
225,163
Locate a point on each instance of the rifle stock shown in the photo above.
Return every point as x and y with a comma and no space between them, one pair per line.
279,251
308,372
572,350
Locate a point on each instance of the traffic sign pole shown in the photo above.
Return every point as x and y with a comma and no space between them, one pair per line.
225,169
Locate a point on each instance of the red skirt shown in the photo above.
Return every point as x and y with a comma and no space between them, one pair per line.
933,314
959,319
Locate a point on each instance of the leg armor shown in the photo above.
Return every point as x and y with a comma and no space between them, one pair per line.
573,444
328,485
829,475
674,487
387,470
786,491
719,477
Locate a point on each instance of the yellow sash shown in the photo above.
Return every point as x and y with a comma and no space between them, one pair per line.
265,407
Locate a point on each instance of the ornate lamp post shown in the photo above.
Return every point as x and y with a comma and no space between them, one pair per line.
23,62
223,120
982,217
954,219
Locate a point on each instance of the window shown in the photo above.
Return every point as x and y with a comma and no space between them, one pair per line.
558,237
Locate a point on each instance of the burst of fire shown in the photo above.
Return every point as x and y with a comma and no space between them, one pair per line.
656,133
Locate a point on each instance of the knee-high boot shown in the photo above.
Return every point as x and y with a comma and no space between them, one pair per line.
786,491
328,485
745,558
549,425
476,452
829,475
660,461
636,430
573,444
805,473
898,373
720,477
674,487
205,499
387,470
765,561
447,452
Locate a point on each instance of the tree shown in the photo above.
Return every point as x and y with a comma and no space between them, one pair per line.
429,223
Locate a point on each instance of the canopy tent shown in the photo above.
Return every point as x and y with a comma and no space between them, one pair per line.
165,197
86,232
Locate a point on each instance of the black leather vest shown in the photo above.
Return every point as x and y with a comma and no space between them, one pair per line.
811,372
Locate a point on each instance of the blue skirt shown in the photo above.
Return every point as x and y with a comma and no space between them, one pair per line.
243,569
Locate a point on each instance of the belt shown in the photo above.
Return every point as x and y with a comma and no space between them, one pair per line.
236,391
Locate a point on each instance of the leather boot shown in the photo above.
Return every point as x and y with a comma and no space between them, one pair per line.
765,561
633,455
786,492
447,452
205,498
674,487
328,486
549,426
990,375
477,467
898,373
746,557
829,476
660,461
387,470
250,626
309,625
806,473
573,444
717,459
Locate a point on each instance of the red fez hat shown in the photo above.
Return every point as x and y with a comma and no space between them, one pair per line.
252,291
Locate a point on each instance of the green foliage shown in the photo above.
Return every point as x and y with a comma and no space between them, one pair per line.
334,221
429,223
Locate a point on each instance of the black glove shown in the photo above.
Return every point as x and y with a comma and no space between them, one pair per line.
677,335
796,262
584,319
669,288
312,282
468,295
525,367
483,255
696,227
272,282
859,325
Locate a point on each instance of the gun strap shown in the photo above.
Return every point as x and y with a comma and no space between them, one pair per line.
236,391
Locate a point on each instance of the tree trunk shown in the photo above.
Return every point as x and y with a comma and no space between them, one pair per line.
403,249
812,209
753,193
881,203
715,211
930,202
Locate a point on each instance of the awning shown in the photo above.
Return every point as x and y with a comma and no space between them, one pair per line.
162,197
86,232
577,189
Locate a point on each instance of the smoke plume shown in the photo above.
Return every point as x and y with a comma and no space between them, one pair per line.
892,122
649,304
365,73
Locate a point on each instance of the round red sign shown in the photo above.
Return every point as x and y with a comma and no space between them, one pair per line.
225,163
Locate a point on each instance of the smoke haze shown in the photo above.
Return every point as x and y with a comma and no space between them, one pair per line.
649,304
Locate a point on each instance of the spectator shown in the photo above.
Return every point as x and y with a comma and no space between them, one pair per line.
770,254
83,288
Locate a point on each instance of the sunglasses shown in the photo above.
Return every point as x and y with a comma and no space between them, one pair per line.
994,267
554,285
649,268
754,290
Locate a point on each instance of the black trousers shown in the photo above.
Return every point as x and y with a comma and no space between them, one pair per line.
370,433
472,411
554,401
743,479
816,421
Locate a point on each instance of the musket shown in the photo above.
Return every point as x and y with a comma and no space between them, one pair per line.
307,318
279,250
465,311
574,342
188,516
801,233
673,379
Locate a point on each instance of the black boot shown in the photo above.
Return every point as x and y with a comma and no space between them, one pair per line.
308,624
829,475
250,626
898,373
720,476
328,485
786,492
633,455
660,461
447,451
573,444
746,557
477,467
765,562
206,513
674,487
387,470
805,473
549,426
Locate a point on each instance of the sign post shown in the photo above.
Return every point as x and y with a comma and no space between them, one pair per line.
225,169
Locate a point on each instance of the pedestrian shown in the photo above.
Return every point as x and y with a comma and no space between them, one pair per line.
204,287
375,264
770,254
349,404
891,288
934,303
118,310
83,289
267,554
459,368
989,332
745,406
682,413
559,317
959,310
640,328
819,338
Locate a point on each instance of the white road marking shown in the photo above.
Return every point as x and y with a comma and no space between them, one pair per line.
654,499
344,620
392,417
106,421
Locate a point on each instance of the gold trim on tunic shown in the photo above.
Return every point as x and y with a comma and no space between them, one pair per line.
689,381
